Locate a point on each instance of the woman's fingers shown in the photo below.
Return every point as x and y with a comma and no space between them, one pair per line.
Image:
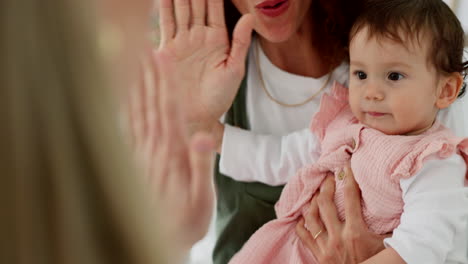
327,207
313,223
352,199
216,14
182,14
166,20
307,238
198,12
241,39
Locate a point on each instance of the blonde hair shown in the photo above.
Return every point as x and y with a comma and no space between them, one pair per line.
69,193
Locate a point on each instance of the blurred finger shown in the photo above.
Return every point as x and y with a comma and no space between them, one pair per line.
182,14
199,12
166,20
157,171
172,103
137,111
179,173
132,102
157,93
201,167
216,14
151,97
352,199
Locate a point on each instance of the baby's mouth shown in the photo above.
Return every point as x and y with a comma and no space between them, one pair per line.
375,114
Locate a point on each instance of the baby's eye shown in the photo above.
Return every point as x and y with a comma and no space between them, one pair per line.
395,76
361,75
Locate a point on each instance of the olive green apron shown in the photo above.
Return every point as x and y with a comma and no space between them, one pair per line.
242,207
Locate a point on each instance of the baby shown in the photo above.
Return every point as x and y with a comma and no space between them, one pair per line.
406,63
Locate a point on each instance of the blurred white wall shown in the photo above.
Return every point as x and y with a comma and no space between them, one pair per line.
460,7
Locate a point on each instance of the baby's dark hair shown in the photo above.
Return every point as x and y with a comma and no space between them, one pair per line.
401,20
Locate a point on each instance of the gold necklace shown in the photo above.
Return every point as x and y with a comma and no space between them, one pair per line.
262,82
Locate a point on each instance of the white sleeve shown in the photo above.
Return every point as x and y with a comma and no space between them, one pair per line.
269,159
434,222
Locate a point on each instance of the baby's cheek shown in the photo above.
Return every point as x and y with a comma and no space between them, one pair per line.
355,108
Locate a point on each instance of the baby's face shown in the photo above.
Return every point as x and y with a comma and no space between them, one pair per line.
392,88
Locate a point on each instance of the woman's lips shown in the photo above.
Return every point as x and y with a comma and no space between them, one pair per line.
273,8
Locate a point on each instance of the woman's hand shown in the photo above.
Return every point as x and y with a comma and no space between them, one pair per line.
338,242
194,37
178,167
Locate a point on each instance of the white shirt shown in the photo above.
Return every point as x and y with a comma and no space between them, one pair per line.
280,143
433,226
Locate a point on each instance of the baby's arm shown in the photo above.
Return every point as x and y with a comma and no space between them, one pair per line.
247,156
434,221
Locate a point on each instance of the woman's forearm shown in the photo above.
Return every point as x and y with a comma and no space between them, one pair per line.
388,255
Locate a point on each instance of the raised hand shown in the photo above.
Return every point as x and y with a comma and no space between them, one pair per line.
176,167
194,37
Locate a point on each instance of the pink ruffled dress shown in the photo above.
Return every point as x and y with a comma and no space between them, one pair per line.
378,161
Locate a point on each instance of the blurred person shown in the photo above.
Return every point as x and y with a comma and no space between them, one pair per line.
70,191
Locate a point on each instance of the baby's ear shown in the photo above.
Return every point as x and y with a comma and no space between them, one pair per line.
449,89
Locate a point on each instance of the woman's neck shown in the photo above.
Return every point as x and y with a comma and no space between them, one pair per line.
297,55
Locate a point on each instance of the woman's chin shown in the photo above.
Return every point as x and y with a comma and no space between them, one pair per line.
276,34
